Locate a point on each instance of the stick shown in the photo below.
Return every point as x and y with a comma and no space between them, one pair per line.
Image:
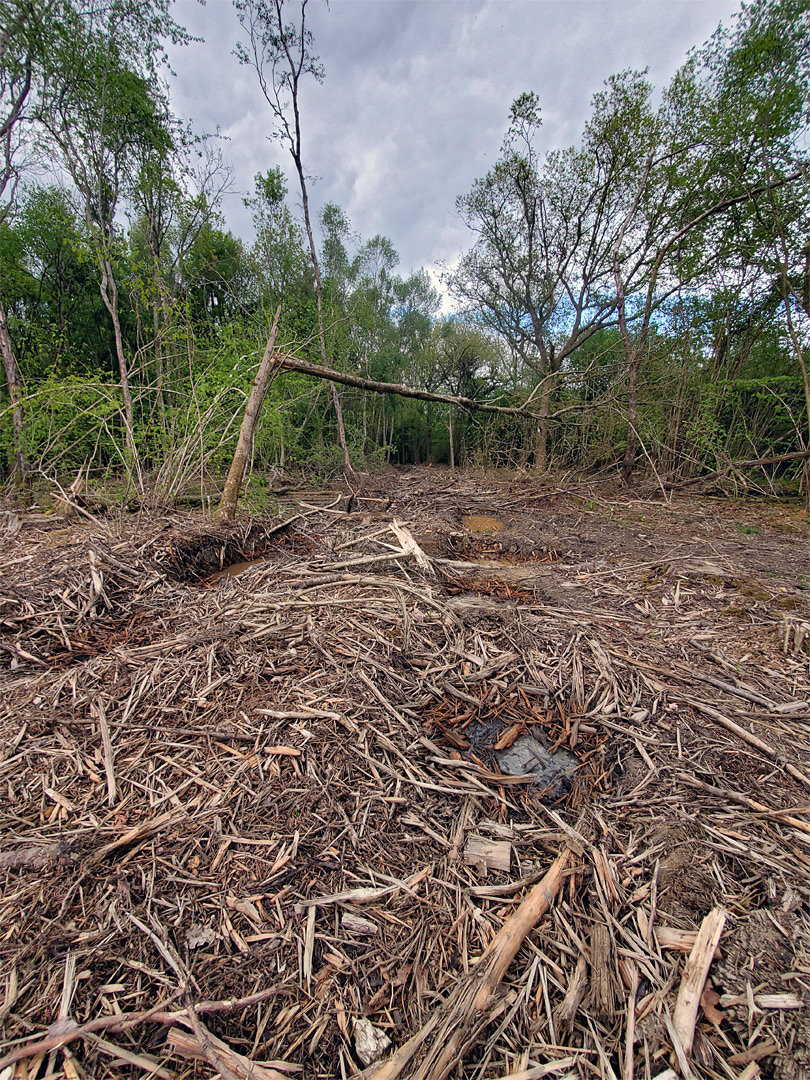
694,977
106,742
746,736
124,1021
451,1030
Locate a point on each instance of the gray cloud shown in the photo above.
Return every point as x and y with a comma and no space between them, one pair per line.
416,97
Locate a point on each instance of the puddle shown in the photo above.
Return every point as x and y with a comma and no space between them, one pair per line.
528,755
479,523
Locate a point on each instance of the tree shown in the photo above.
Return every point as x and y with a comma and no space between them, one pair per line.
464,361
338,269
106,118
56,318
24,60
281,54
279,261
539,272
104,112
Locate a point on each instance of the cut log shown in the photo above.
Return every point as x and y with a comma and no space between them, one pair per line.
488,854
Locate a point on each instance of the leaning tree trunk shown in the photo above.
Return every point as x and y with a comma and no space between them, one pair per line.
15,393
226,510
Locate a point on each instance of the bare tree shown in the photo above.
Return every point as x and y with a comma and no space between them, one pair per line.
281,54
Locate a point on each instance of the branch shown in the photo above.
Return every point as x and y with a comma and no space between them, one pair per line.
798,455
286,362
125,1021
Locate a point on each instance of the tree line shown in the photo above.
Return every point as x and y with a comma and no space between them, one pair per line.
639,302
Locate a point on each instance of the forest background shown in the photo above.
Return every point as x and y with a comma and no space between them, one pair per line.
636,303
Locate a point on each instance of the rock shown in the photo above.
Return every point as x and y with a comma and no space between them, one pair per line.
369,1042
527,755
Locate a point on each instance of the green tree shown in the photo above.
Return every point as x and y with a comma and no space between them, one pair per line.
24,65
539,271
758,76
105,119
279,260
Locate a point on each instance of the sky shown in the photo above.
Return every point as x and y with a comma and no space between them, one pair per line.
415,101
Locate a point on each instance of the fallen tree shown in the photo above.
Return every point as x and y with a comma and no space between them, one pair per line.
287,362
752,463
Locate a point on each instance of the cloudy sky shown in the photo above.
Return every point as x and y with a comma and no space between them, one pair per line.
415,101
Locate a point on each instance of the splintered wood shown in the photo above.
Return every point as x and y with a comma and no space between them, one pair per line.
485,853
265,811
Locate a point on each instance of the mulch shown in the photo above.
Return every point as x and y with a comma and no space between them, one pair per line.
253,823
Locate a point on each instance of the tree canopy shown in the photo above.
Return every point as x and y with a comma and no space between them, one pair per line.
640,299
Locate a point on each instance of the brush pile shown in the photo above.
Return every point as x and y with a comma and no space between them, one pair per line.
259,824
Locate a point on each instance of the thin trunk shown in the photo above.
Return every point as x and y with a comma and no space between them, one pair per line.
158,307
109,294
631,445
452,448
230,495
633,352
313,252
161,405
14,384
802,362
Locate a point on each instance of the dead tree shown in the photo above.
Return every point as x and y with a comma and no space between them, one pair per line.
226,510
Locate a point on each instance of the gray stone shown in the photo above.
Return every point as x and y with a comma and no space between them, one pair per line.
528,755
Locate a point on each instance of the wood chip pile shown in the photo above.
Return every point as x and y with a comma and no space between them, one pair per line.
255,824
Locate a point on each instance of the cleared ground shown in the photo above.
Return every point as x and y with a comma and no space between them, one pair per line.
244,811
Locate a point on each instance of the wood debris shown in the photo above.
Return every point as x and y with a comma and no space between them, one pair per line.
252,811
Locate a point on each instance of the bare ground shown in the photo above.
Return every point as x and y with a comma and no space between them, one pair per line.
244,812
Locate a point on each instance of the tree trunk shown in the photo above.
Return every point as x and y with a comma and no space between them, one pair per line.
633,351
161,405
15,393
109,294
541,431
547,387
287,362
631,445
541,445
452,448
316,267
803,367
230,495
